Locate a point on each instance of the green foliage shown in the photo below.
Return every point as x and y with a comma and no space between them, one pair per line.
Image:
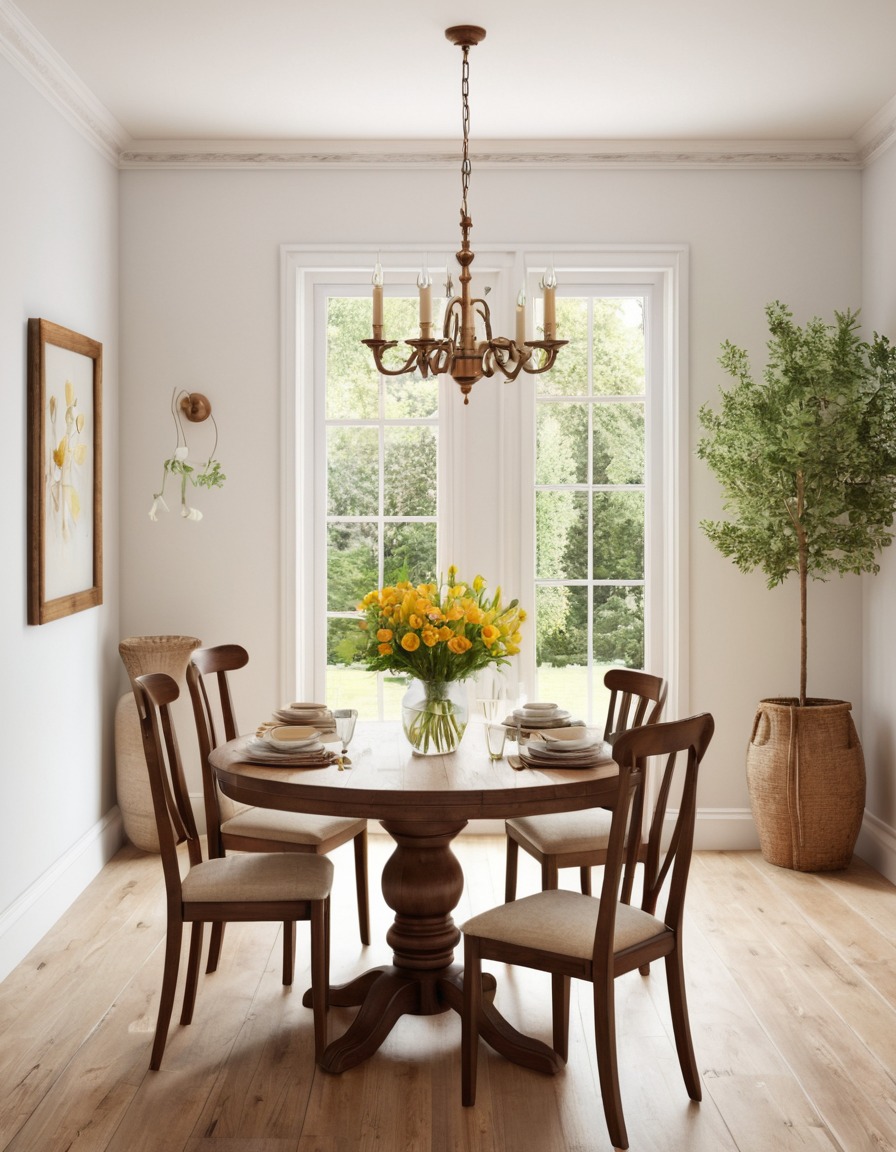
806,457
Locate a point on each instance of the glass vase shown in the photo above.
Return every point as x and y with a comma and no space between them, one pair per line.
434,715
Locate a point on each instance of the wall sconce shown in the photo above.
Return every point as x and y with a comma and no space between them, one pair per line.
195,408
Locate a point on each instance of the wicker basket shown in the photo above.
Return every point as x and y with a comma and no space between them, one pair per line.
142,654
806,775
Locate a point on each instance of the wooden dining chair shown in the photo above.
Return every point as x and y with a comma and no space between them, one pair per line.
238,829
269,886
571,934
579,839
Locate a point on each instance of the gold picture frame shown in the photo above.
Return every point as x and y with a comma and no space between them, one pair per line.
65,476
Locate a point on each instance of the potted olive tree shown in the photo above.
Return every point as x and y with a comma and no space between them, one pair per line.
807,462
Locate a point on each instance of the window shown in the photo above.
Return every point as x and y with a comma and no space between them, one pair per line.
590,501
564,488
381,460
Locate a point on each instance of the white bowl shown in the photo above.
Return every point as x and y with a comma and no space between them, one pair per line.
292,736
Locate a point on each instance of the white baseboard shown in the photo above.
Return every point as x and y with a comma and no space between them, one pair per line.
877,846
27,919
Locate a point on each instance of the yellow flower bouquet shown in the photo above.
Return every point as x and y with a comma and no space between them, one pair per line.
438,634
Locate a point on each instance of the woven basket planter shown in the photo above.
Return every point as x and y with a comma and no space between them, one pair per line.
140,655
806,776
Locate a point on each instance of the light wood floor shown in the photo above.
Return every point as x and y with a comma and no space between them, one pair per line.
792,982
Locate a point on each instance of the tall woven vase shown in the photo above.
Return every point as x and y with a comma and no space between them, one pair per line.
806,776
143,654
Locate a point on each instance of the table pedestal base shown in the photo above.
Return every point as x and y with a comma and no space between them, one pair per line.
422,883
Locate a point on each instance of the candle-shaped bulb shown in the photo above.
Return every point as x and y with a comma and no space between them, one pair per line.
521,316
549,286
377,300
424,284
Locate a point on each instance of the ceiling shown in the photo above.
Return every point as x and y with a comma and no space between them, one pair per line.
653,70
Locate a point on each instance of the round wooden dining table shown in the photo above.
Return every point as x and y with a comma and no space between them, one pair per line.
423,802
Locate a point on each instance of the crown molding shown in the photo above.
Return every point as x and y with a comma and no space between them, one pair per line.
29,52
878,133
33,56
557,154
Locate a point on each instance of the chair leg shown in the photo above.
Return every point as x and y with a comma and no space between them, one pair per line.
585,879
360,843
680,1024
560,1014
215,940
186,1014
289,951
173,941
320,973
510,868
608,1072
550,874
469,1035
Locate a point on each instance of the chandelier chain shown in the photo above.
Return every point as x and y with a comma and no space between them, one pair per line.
465,164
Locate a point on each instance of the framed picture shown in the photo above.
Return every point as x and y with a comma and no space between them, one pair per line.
65,474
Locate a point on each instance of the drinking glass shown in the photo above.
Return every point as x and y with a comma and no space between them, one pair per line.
345,725
495,735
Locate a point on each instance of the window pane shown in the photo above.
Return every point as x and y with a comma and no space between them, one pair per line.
618,536
351,564
410,471
411,397
562,444
352,378
569,376
561,535
561,646
618,453
618,346
350,686
409,553
619,626
352,471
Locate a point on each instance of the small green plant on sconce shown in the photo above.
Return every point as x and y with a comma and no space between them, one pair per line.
195,408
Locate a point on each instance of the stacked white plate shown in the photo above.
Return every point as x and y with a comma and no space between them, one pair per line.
294,745
572,747
534,717
316,716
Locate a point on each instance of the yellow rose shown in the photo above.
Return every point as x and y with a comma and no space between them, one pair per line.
489,635
459,644
473,615
410,641
455,612
430,637
445,633
415,621
384,635
384,649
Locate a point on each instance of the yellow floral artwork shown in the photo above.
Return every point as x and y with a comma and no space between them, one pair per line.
68,452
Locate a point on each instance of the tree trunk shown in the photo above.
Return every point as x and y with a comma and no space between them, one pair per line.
803,578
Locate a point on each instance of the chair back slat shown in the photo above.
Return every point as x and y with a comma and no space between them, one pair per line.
632,692
171,802
205,664
683,744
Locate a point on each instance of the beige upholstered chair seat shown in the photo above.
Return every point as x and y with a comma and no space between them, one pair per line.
561,921
256,877
292,827
562,832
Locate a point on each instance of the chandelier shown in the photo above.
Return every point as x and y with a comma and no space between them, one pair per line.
462,352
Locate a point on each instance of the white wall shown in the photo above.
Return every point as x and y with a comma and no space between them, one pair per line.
878,841
200,309
58,682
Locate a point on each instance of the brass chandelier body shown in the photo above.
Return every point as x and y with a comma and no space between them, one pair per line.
459,352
